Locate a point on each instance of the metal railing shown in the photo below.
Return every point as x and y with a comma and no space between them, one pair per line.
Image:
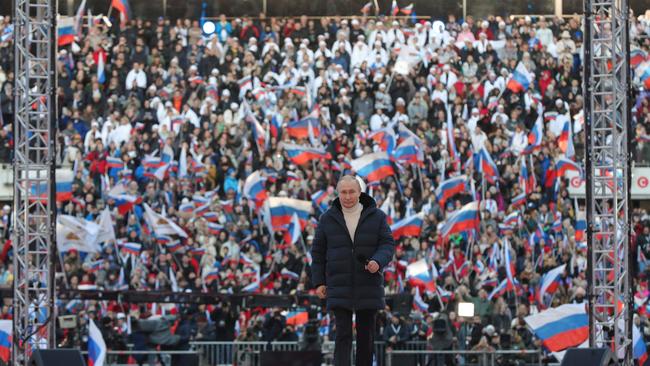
248,354
461,357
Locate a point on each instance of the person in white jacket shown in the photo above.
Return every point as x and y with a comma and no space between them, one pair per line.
394,35
359,52
136,78
340,40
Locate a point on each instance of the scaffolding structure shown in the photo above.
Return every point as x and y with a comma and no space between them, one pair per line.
607,79
34,178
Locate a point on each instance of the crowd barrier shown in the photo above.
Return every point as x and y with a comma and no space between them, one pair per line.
410,353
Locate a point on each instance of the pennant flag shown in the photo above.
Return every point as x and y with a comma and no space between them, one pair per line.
366,8
407,10
96,345
561,327
451,187
301,155
418,274
394,10
549,283
510,267
101,63
408,227
373,167
65,30
160,224
465,219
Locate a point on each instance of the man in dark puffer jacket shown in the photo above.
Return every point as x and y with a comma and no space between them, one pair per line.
353,242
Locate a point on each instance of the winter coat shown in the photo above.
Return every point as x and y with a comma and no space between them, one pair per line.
336,261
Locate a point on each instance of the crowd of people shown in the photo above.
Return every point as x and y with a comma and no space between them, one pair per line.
162,130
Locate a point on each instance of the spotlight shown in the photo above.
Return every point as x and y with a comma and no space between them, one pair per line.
209,27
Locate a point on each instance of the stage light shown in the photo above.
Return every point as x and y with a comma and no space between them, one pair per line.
466,309
209,27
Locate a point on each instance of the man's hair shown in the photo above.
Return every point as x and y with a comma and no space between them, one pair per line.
349,178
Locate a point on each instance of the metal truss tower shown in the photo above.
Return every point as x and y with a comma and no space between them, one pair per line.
607,78
34,177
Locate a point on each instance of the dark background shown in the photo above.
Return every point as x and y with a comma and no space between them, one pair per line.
437,9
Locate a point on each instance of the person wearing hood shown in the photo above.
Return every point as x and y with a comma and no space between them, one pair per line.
352,244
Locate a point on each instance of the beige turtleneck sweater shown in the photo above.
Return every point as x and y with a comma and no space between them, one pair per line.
352,216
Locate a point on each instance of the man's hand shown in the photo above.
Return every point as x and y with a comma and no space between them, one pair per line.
321,291
372,267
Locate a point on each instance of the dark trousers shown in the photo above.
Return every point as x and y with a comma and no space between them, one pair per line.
365,326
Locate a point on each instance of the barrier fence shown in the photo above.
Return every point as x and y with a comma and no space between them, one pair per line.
407,354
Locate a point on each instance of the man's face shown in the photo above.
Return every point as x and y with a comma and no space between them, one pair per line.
349,193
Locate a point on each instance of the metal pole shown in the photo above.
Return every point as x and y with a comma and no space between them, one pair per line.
464,10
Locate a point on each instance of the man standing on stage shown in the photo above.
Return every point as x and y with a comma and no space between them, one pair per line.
353,242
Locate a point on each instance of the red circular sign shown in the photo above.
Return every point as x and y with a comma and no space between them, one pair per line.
642,182
576,182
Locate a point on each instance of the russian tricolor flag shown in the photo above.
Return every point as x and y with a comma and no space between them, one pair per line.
125,202
418,274
561,327
373,167
519,200
96,345
6,335
301,155
407,10
385,138
465,219
280,210
123,7
319,199
487,166
254,188
534,138
520,80
499,290
639,350
550,283
132,248
565,135
214,228
300,129
294,231
394,10
65,31
419,303
408,152
114,163
297,318
408,227
289,274
563,164
451,187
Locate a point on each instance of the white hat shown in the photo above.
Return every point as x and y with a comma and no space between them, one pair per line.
225,92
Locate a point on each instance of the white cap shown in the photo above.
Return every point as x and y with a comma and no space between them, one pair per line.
225,92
